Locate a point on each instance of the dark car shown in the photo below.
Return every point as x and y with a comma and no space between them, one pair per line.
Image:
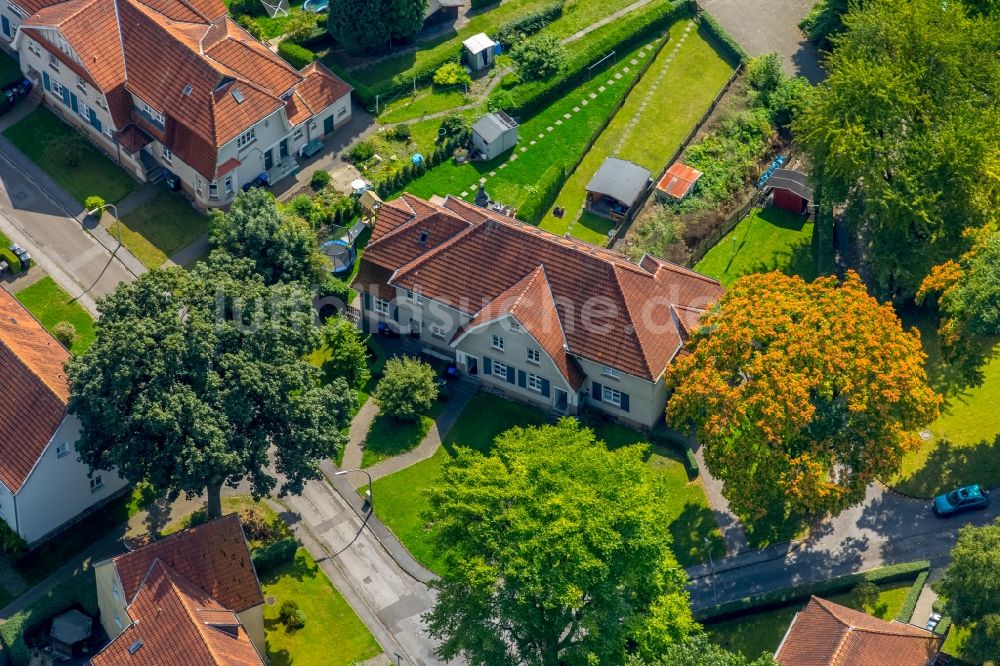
961,499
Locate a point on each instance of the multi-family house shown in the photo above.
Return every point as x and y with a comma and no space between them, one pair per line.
190,598
546,319
43,485
176,85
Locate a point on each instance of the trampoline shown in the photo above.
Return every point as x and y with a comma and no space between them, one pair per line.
342,255
316,6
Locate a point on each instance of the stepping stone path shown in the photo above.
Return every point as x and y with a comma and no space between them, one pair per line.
576,109
558,122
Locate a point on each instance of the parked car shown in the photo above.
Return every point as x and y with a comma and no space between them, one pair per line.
933,621
12,93
961,499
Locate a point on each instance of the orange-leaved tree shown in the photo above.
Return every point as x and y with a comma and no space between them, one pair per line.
801,393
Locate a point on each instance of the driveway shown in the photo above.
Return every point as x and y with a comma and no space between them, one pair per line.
765,26
886,529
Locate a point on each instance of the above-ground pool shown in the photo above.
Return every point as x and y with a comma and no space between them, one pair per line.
316,5
342,255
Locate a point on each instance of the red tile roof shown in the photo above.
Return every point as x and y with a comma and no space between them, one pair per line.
214,556
33,391
611,310
176,622
827,634
678,180
188,61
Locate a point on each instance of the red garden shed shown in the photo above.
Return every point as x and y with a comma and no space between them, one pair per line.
791,191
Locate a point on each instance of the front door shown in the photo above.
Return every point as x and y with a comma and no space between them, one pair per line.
283,149
6,25
268,159
561,400
328,125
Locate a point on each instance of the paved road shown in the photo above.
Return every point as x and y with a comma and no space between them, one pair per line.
886,529
388,599
763,26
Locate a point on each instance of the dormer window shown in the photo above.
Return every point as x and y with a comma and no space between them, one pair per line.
152,113
245,139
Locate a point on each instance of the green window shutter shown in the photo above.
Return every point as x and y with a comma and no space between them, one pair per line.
46,83
522,378
545,387
624,402
511,379
487,365
596,391
367,298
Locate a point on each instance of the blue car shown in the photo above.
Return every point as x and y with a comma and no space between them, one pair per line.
961,499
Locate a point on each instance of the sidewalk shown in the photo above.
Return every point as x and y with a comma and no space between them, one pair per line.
729,523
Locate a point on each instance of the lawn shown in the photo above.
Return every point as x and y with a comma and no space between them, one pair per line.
160,227
333,634
653,121
10,70
965,445
761,632
427,100
766,240
389,437
399,500
50,305
69,158
517,173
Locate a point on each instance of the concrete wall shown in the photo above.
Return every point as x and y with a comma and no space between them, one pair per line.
253,621
58,490
111,599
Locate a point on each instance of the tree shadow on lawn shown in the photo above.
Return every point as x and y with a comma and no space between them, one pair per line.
390,437
774,525
950,465
688,532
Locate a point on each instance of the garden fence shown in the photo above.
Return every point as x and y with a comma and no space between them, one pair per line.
709,241
619,232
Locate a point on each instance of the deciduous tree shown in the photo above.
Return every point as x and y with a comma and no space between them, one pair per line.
282,247
368,25
903,132
195,377
406,389
971,588
699,651
556,551
347,351
802,394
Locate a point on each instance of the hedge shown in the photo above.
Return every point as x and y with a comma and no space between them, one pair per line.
480,4
529,23
619,36
295,55
714,30
80,590
910,603
545,192
766,600
274,555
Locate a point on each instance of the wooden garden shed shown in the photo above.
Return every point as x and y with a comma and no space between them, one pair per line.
791,191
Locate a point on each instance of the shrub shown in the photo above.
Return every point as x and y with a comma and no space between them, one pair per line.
246,7
456,124
65,333
273,555
865,595
500,100
251,25
291,615
910,603
319,180
362,151
538,58
96,204
258,527
301,26
401,132
451,74
11,542
479,4
528,24
508,81
295,55
543,194
406,389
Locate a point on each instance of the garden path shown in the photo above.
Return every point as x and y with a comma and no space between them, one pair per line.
729,523
360,425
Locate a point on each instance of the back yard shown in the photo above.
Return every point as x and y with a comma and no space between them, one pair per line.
767,239
964,446
69,158
399,500
50,305
160,227
657,115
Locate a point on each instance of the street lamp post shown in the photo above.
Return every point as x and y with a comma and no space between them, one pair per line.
118,220
368,499
711,562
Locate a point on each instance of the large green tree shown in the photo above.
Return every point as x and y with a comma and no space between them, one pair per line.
699,651
364,26
903,132
801,393
971,588
195,378
282,247
556,551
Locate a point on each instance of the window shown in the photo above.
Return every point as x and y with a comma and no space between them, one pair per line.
53,62
168,156
96,483
81,84
514,326
83,110
110,131
414,298
229,185
611,396
197,184
381,306
497,343
153,114
33,47
437,330
534,356
246,138
500,370
297,134
118,620
534,383
115,591
341,112
614,373
62,450
213,190
58,89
